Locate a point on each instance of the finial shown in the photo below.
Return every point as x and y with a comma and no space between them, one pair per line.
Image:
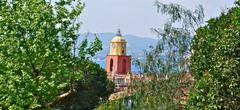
119,32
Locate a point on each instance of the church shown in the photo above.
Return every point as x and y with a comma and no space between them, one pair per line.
118,63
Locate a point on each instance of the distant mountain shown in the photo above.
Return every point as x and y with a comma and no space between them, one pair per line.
135,44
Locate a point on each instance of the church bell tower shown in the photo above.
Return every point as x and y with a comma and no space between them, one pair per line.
117,61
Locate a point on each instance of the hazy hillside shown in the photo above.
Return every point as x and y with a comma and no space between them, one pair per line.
135,44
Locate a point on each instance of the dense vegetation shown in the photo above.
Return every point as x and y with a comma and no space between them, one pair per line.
93,88
39,67
215,62
159,93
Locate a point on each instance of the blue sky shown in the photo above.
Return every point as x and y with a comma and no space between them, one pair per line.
136,17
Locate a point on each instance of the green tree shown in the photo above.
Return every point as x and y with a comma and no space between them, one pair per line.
215,63
93,88
37,65
170,55
155,94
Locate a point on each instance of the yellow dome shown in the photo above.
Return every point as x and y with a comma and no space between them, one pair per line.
118,39
118,45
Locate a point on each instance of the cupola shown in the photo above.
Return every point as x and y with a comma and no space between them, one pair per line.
118,45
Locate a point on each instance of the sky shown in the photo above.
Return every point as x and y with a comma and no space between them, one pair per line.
137,17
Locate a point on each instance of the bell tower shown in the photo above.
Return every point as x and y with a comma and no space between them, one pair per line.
117,61
118,45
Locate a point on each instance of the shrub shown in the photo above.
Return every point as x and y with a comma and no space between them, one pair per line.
215,63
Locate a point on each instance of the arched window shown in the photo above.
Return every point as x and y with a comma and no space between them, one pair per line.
124,64
111,65
123,52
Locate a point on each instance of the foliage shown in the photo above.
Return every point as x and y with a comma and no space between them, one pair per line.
111,105
215,62
170,55
155,94
93,88
37,65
